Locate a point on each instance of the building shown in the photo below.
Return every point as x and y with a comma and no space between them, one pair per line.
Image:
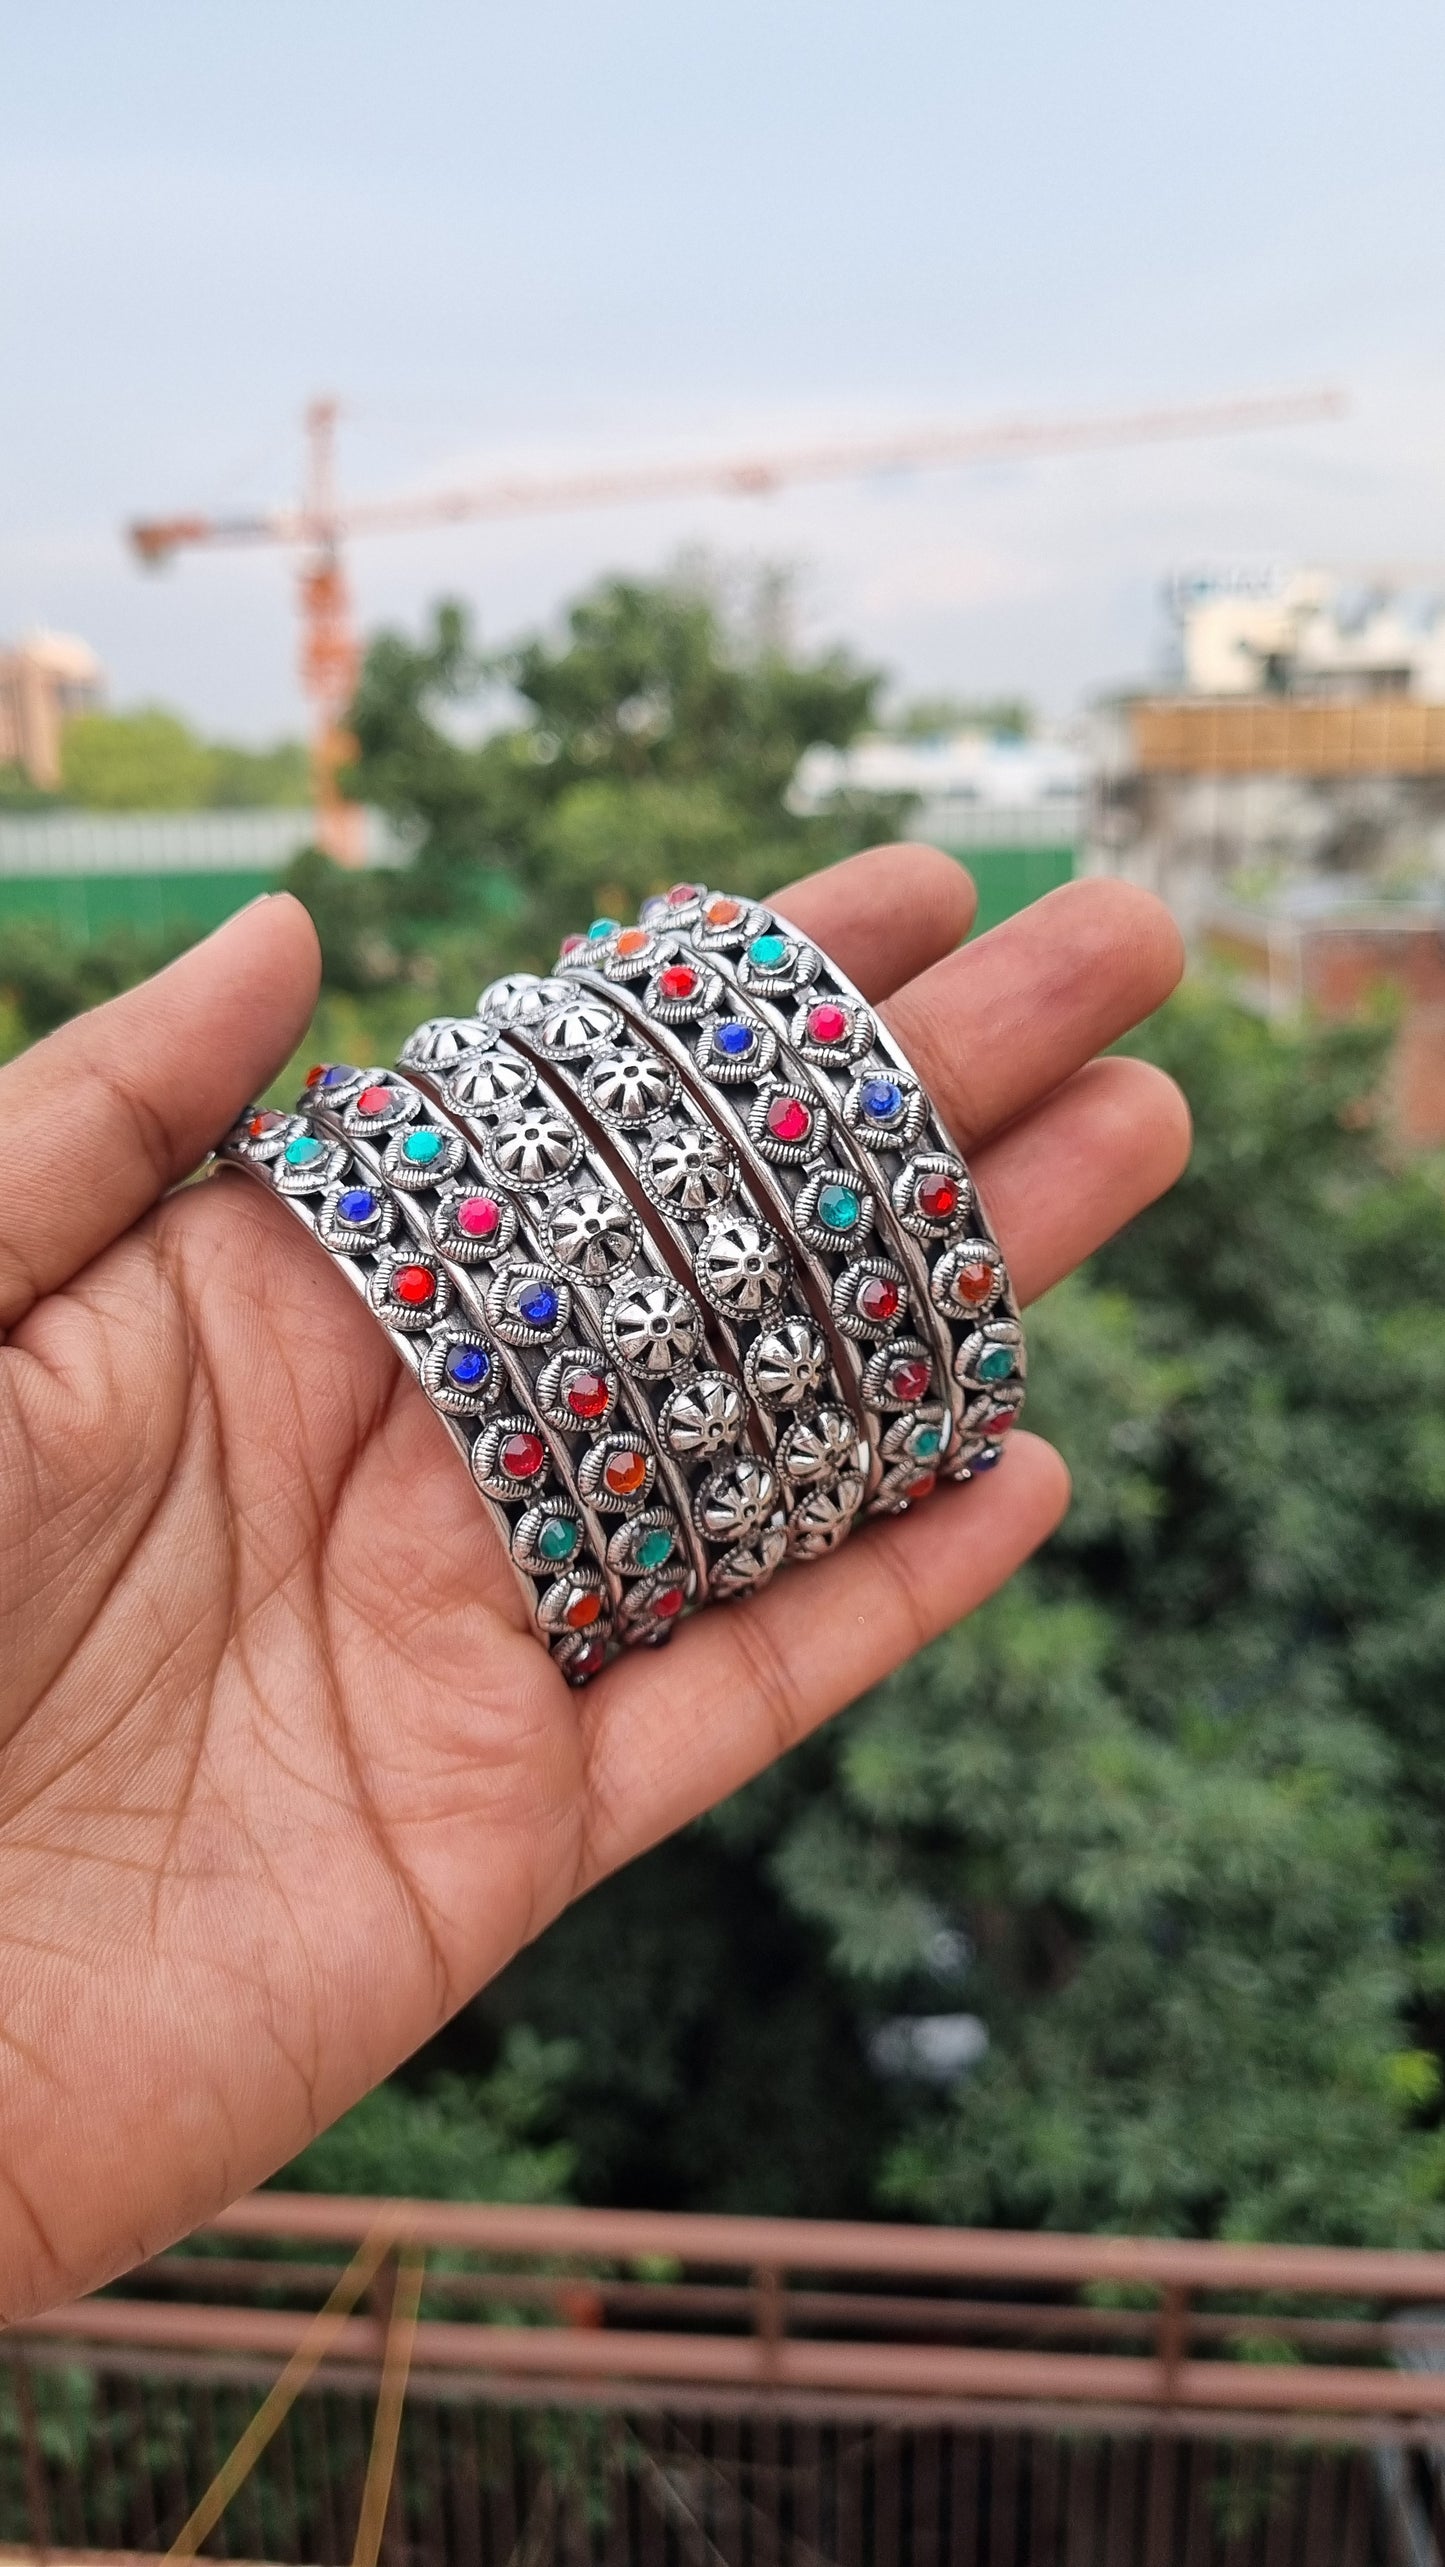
1011,809
43,680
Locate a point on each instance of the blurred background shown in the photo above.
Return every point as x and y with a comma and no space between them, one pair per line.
474,465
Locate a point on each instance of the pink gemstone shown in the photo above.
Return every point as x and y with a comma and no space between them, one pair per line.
789,1119
827,1023
572,945
477,1216
680,894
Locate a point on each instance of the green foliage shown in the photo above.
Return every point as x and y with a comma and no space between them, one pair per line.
925,717
150,760
45,978
656,737
454,2138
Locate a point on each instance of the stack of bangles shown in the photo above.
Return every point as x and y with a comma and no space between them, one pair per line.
680,1249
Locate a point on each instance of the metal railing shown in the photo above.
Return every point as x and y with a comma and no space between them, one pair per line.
619,2385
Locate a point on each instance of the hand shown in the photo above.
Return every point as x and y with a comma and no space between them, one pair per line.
283,1776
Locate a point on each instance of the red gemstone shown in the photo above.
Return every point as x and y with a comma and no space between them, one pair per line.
678,981
477,1216
1000,1425
522,1456
668,1604
789,1119
827,1023
414,1285
624,1472
878,1299
973,1282
909,1378
588,1394
261,1124
585,1662
936,1196
316,1073
924,1485
583,1609
373,1100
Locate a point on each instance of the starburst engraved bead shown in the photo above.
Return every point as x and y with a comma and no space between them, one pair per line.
485,1082
785,1365
593,1234
702,1416
653,1326
577,1027
736,1500
744,1570
817,1449
631,1087
535,1144
520,998
441,1041
690,1171
742,1267
826,1517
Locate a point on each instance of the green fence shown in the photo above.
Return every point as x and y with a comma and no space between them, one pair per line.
1008,878
81,907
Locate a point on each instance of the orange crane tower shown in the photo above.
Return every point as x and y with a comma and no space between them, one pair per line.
323,523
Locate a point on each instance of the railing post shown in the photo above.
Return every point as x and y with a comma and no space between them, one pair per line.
1172,2339
770,2315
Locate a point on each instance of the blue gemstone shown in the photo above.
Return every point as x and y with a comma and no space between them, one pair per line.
338,1075
356,1206
881,1099
467,1366
987,1459
537,1304
733,1039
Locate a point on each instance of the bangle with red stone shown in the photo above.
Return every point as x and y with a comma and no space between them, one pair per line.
885,1122
549,1325
728,1219
682,1510
863,1296
331,1186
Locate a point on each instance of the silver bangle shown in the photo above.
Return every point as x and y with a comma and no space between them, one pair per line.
328,1183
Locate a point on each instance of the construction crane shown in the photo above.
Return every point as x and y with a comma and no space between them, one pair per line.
323,523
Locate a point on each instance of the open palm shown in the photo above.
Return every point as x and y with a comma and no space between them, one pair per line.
283,1776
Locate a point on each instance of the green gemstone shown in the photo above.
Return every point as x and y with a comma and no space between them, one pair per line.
421,1148
600,930
557,1540
654,1547
838,1207
301,1152
926,1443
768,952
996,1365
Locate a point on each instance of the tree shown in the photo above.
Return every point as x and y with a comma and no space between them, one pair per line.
657,736
150,760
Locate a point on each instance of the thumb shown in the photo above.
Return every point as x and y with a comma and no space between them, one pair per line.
99,1119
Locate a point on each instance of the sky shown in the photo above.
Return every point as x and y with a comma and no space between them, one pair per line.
561,235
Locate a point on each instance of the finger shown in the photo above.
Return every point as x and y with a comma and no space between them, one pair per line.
666,1736
98,1120
994,1028
1062,1180
885,915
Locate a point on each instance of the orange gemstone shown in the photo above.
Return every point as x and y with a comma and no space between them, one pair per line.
723,913
583,1609
625,1472
633,940
974,1281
